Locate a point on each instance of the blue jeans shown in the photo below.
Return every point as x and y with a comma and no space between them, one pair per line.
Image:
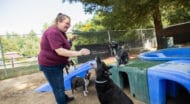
54,75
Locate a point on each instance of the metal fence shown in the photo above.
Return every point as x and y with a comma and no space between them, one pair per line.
99,47
101,50
144,38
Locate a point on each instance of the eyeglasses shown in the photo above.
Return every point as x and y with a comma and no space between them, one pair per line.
67,23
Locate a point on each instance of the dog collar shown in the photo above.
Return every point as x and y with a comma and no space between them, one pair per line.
100,82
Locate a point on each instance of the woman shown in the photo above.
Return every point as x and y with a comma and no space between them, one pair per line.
54,54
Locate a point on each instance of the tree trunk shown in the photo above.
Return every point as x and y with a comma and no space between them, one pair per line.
158,26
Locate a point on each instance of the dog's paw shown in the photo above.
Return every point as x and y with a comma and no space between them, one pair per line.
84,93
122,65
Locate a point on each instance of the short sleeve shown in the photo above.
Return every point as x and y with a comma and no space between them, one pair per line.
55,40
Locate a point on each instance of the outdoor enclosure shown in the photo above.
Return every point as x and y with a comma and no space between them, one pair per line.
19,52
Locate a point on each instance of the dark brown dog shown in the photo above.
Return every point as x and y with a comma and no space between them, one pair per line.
122,55
78,82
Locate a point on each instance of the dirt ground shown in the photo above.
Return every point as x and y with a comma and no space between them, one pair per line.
20,90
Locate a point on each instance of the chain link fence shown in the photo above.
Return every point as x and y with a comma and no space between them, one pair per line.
98,42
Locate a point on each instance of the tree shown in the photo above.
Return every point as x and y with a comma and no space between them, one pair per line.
177,15
46,25
90,25
31,44
26,45
90,32
129,13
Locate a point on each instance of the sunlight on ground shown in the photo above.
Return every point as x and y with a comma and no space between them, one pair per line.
110,60
21,85
149,46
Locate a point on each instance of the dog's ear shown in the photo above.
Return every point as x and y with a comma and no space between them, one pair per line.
98,60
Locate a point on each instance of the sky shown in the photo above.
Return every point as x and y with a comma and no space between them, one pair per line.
22,16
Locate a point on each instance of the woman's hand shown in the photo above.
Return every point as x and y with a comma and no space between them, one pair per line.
84,51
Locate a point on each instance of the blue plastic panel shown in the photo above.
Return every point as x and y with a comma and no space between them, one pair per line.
176,71
167,54
79,71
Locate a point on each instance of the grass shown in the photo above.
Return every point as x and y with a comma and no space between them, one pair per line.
19,71
143,63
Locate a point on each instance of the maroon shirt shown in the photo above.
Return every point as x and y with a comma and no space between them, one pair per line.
52,39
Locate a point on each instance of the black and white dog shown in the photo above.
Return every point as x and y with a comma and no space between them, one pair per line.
120,52
107,91
68,65
79,82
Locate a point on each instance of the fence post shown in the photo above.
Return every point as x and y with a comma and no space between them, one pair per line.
3,59
109,39
12,62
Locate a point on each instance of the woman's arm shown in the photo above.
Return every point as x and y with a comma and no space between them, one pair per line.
70,53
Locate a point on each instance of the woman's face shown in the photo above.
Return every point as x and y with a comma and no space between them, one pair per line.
64,25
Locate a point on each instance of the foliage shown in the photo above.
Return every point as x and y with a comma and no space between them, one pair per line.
26,45
128,14
91,25
46,25
102,37
85,38
177,15
123,14
97,34
90,32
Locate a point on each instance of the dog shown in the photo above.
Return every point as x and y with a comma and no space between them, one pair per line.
120,53
78,82
114,46
107,91
68,65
